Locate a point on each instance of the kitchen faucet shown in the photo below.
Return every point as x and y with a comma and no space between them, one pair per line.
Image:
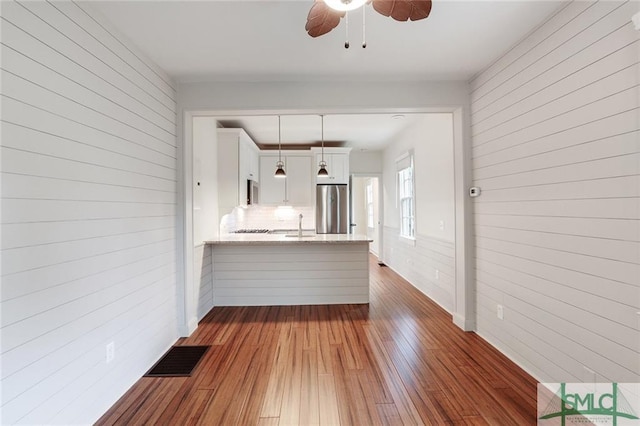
300,225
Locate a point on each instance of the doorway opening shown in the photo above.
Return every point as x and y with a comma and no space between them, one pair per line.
366,210
463,294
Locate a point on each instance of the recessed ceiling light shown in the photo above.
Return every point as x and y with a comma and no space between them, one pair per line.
397,117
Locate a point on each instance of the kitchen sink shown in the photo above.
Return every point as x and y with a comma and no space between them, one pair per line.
300,236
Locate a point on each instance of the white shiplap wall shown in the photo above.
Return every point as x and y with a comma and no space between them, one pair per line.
556,131
429,265
88,213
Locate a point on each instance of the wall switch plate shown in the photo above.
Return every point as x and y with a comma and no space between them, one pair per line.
500,312
441,225
111,352
437,274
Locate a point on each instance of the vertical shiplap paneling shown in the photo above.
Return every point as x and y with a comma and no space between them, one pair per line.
556,142
88,213
203,273
429,265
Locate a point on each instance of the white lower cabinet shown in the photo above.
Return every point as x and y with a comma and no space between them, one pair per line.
295,190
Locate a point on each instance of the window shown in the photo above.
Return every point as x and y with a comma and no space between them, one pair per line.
406,196
369,200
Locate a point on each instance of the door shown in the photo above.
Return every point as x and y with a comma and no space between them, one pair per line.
372,213
365,210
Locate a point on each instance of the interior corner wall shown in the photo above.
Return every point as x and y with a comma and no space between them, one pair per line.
429,262
88,214
556,142
365,162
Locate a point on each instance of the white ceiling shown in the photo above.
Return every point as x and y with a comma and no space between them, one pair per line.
359,131
265,40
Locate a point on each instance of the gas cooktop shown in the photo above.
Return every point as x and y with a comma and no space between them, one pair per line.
251,231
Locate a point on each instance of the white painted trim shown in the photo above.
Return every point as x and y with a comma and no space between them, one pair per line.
411,241
401,157
192,326
465,285
187,305
423,293
463,323
514,359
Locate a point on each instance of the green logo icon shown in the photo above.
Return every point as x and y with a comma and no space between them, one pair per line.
597,403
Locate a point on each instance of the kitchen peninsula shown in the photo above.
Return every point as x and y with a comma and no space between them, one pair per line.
285,269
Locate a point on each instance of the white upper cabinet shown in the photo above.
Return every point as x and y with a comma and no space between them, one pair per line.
299,182
337,160
272,189
294,190
249,165
238,161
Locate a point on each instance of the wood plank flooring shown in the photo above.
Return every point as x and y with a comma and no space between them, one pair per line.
397,361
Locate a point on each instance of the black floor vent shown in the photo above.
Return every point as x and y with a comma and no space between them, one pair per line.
179,361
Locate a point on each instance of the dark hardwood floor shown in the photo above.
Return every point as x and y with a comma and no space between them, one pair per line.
399,360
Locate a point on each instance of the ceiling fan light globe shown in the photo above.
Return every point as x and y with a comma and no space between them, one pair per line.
344,5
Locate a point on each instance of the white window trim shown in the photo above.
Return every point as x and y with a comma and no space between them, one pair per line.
411,240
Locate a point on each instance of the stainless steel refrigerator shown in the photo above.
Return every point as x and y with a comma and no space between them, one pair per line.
332,207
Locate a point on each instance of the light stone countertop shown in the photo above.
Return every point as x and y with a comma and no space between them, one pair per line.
290,238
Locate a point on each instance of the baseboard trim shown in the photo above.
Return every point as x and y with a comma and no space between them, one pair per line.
418,288
463,323
187,330
509,355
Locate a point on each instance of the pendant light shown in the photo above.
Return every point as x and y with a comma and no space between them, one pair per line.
280,173
323,164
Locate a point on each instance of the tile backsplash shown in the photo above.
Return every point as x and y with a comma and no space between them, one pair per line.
267,217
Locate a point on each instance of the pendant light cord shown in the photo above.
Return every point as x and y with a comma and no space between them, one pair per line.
279,142
323,164
346,21
322,133
364,32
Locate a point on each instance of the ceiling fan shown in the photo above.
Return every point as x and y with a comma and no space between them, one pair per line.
325,15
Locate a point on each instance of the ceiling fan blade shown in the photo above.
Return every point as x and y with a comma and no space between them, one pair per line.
322,19
403,10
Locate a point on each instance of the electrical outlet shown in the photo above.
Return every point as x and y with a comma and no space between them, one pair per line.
500,312
442,225
437,274
111,352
